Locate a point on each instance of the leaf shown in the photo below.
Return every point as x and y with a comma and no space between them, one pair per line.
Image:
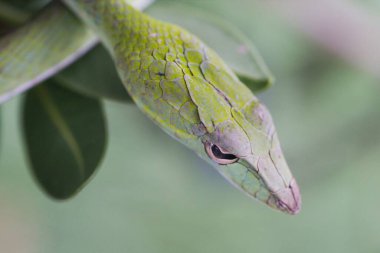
26,5
226,39
11,16
1,130
40,48
95,75
65,136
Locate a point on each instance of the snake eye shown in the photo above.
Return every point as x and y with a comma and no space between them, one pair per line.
218,155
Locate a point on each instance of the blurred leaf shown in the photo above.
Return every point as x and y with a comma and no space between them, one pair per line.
226,39
25,5
256,85
11,16
65,136
1,131
95,75
16,12
25,64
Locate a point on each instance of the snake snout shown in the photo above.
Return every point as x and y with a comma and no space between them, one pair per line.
289,199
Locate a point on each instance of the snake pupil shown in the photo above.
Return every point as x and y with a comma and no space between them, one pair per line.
219,154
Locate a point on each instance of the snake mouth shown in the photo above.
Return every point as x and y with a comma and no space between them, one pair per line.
265,184
287,200
283,191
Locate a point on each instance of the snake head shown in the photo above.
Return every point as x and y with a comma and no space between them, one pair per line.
245,149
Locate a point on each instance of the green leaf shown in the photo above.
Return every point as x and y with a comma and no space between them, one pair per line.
1,131
95,75
16,12
65,136
226,39
26,5
25,64
11,16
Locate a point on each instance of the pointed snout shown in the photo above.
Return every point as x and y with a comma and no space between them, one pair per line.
284,193
289,199
272,185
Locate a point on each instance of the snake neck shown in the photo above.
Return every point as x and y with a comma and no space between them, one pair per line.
152,59
111,19
172,76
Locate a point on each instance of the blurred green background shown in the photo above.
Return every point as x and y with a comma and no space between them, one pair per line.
151,194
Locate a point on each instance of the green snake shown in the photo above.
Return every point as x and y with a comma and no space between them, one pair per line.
179,83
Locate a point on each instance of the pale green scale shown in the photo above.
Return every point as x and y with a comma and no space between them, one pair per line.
173,71
170,56
174,92
153,89
189,112
203,94
251,184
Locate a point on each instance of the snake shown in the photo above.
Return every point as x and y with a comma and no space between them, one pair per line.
179,83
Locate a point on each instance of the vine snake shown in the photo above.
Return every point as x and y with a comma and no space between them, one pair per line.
189,92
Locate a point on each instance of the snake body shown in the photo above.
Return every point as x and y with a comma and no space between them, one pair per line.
189,92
